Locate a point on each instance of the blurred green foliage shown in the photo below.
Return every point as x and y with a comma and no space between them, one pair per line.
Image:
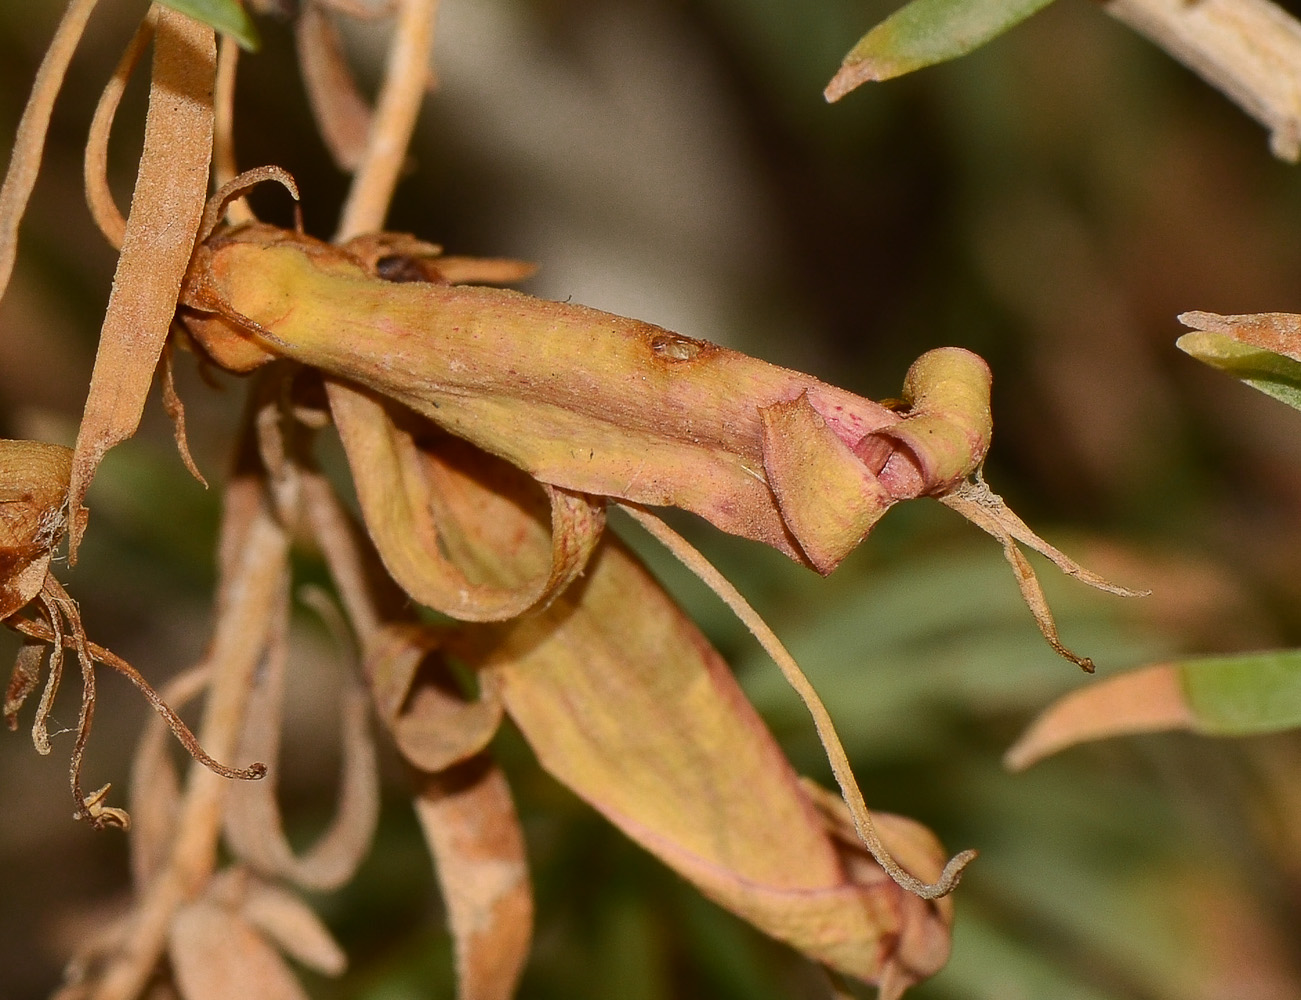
1051,201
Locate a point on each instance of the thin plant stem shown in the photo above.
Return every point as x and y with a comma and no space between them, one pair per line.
249,586
224,162
406,79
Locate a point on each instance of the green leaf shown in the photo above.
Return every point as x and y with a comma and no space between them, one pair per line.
923,33
1243,694
1271,373
227,16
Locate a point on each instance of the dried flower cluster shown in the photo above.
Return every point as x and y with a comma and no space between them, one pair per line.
486,432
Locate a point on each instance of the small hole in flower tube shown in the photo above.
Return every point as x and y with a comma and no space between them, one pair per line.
674,348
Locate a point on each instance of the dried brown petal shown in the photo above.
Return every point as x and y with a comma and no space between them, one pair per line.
399,498
22,682
342,115
254,830
155,795
25,161
216,955
294,927
474,835
434,725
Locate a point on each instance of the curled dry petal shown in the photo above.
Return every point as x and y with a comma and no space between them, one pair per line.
399,501
434,725
252,820
99,196
924,939
596,403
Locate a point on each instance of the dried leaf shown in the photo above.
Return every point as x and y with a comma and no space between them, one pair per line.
99,198
29,142
216,955
165,211
368,594
474,836
1236,695
1138,701
155,795
223,125
254,830
343,118
1263,350
294,927
252,561
925,32
1249,49
175,410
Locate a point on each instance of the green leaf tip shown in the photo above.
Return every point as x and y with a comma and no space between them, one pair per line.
1273,374
1244,694
1238,695
923,33
227,16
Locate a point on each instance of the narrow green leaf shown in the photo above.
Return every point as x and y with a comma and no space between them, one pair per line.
227,16
1271,373
1243,694
923,33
